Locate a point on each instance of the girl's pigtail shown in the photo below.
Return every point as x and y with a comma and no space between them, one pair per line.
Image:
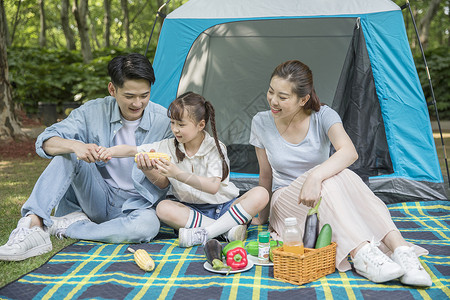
180,155
210,111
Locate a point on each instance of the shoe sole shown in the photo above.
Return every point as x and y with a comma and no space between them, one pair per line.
394,276
30,253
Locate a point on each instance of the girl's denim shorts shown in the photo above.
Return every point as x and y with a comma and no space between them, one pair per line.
213,211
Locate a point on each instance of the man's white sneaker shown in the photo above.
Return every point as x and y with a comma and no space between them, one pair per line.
376,266
236,233
188,237
415,274
25,242
60,224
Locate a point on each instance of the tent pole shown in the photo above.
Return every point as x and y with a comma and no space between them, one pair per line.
158,13
406,5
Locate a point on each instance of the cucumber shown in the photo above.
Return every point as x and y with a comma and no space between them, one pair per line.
324,238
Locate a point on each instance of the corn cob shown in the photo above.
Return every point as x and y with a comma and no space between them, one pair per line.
143,259
153,155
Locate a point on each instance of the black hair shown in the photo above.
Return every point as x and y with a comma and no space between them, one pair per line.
197,109
129,67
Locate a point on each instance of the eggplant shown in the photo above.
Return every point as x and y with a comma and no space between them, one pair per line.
311,227
213,253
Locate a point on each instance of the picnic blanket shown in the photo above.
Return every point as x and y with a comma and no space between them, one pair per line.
90,270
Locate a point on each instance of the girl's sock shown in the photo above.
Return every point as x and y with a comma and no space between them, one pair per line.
236,215
196,219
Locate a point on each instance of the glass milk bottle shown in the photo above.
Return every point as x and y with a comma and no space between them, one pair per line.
292,237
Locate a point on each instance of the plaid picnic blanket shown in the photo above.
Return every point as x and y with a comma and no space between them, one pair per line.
89,270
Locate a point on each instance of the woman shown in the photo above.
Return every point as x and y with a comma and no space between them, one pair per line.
292,143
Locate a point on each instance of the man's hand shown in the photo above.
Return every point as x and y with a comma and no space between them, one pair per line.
86,152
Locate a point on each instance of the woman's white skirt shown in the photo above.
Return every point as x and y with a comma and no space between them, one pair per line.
353,211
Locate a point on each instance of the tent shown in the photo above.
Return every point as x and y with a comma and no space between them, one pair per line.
362,65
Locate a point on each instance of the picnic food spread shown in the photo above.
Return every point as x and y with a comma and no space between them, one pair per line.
153,155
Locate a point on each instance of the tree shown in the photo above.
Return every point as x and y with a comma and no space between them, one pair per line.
126,21
107,21
68,33
42,33
425,22
9,125
80,10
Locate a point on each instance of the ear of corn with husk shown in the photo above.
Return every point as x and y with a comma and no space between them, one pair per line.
143,259
153,155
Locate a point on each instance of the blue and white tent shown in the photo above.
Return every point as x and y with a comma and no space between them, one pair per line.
362,65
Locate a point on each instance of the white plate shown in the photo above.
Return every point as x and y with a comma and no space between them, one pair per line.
209,268
255,261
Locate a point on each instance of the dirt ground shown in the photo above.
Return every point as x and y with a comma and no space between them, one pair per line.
22,148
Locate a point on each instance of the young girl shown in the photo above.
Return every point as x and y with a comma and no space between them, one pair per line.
292,143
206,202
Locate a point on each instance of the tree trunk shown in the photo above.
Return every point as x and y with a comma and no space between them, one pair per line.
126,21
11,40
80,10
95,42
5,25
424,24
9,125
107,22
42,33
68,33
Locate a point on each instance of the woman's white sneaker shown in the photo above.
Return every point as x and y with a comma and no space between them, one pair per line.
415,274
376,266
25,242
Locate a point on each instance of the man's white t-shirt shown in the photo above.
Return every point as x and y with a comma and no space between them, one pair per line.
119,168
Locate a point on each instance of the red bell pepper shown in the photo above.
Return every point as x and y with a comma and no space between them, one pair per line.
237,258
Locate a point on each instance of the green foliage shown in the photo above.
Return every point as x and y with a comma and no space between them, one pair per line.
58,76
438,60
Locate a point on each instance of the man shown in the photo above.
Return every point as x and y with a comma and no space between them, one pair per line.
110,202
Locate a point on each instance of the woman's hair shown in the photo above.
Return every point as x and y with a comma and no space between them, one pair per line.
301,78
197,109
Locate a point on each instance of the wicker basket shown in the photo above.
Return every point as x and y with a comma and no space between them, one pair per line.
299,269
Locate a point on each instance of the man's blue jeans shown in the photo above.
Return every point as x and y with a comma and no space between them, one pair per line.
70,185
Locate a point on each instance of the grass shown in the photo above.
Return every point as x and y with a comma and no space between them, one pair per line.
17,178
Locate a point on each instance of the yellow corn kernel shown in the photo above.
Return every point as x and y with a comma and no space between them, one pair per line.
153,155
